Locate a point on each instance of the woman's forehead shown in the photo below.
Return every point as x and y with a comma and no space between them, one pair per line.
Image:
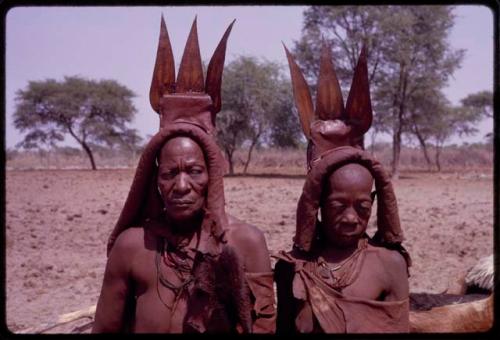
181,146
351,174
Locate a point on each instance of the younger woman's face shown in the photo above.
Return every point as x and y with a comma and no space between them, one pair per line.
346,207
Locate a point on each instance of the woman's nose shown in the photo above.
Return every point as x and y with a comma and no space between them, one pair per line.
181,184
350,216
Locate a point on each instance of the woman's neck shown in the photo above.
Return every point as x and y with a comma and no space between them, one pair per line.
335,254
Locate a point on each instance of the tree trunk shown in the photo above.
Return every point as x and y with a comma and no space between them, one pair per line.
229,155
398,122
423,146
372,147
438,153
89,154
42,154
249,155
396,151
83,144
426,155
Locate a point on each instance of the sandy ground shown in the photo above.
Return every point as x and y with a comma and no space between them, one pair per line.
58,221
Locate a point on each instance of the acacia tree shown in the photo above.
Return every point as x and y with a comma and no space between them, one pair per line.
407,52
231,128
426,111
252,97
285,130
92,112
454,120
434,120
481,101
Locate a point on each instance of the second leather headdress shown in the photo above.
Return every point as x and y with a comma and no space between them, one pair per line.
335,138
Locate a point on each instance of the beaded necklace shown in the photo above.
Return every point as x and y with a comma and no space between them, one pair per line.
351,265
180,263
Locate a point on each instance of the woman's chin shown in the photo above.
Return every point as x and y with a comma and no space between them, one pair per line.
183,214
347,240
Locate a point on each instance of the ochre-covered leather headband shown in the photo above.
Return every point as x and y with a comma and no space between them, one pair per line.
388,225
143,201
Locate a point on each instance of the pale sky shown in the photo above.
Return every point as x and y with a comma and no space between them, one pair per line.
120,43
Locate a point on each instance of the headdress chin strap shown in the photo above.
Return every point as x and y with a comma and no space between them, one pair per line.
143,201
388,227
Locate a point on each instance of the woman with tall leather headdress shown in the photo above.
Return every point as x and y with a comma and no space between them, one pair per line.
176,262
337,279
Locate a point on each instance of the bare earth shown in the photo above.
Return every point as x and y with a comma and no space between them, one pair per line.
58,221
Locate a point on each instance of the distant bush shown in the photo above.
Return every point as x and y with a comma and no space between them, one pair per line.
70,158
10,154
454,158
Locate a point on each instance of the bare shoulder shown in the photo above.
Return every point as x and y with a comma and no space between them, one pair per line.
392,260
250,244
122,256
129,242
243,233
394,274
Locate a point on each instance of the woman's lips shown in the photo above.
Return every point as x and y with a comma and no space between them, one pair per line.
348,231
181,203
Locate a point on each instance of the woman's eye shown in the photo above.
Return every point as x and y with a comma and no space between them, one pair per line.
337,205
169,174
364,206
195,171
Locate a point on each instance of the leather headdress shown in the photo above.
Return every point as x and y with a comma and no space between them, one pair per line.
187,107
335,138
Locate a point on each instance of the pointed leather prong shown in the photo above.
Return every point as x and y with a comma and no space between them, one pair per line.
214,71
329,101
301,94
190,78
164,71
358,106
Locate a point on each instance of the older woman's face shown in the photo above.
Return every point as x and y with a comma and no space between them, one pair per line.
346,207
182,178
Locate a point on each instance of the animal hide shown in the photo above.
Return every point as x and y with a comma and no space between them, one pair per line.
426,301
476,316
451,313
220,299
479,279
